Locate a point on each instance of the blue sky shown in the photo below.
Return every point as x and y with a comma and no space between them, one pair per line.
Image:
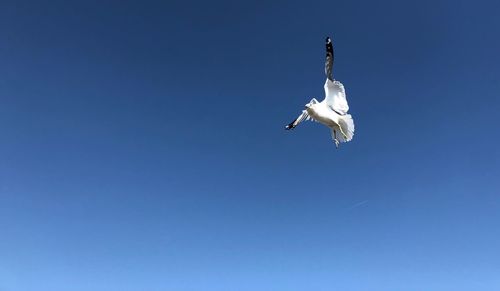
143,146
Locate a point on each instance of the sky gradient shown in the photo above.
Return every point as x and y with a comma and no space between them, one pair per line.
143,146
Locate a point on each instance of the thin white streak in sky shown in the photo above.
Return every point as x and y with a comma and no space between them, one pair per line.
358,204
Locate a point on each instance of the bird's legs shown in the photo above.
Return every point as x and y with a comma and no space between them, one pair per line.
335,136
335,139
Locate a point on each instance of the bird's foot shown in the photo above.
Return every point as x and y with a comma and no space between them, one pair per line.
336,143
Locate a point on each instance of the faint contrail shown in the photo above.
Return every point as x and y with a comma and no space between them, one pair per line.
358,204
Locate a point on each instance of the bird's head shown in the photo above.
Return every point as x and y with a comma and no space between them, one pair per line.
310,104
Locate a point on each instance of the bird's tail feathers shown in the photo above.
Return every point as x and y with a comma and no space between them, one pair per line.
347,124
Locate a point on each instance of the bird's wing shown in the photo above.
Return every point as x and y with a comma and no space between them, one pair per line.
335,96
329,59
303,116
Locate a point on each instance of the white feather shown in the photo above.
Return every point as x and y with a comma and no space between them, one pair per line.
335,96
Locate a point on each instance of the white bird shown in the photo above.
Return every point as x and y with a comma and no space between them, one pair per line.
332,111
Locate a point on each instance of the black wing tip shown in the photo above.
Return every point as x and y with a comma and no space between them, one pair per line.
290,125
329,45
328,40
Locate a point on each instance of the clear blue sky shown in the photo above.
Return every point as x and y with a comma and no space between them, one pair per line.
142,146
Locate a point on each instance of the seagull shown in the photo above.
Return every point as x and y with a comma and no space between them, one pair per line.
332,111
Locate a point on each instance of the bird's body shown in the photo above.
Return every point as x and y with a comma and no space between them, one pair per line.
321,113
332,111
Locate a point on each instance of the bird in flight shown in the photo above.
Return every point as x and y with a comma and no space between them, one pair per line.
332,111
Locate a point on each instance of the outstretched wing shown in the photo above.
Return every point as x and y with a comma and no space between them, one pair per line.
329,59
335,96
303,116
